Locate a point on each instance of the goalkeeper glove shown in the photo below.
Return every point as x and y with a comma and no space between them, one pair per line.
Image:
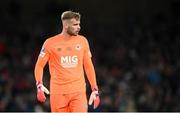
94,97
40,92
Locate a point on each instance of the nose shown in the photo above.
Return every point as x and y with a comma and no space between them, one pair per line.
79,27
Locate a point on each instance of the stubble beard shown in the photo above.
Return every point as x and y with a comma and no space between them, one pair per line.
70,32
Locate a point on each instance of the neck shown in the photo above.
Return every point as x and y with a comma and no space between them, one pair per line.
65,34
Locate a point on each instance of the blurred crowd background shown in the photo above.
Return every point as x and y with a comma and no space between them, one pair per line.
135,46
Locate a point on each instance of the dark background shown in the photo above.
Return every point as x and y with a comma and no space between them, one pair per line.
135,46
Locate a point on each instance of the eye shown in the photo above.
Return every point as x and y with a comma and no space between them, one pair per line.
76,24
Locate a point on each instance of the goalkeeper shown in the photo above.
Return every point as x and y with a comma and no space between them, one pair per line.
68,55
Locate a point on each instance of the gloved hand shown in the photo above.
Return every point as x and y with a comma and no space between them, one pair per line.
94,97
40,92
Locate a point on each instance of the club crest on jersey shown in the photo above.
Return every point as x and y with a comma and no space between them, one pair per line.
78,47
42,52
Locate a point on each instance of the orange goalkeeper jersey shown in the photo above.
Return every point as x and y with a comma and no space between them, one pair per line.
66,58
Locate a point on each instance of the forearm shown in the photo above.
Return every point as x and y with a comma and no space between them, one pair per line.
94,97
38,72
90,72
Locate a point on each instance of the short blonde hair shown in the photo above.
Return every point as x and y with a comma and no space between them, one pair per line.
69,15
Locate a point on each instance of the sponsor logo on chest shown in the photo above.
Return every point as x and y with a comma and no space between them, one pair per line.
69,61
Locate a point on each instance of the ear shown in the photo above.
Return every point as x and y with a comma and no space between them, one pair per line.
65,24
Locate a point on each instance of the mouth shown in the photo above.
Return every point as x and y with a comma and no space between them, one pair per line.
77,32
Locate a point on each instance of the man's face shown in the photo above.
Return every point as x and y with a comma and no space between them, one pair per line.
73,27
